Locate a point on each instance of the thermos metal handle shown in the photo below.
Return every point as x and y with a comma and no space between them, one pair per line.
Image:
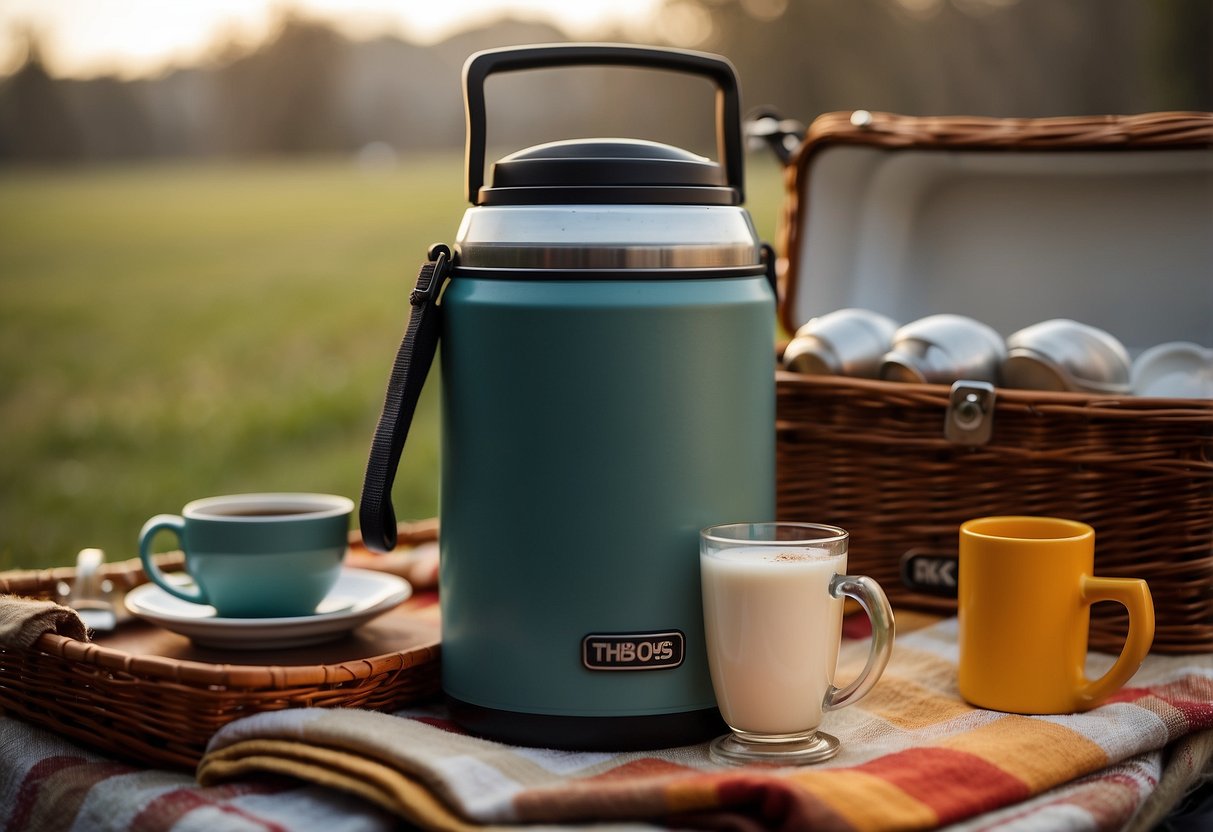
510,59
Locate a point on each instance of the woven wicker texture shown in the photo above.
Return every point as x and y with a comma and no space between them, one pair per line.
871,457
157,710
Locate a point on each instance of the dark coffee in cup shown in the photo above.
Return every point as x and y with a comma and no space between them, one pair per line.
256,555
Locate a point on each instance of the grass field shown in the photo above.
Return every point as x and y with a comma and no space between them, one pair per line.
175,331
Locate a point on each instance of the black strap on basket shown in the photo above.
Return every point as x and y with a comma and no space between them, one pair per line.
413,360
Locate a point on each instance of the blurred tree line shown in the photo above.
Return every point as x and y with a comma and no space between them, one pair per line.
308,89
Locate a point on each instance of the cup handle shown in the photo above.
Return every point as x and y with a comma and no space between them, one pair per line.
175,524
1134,595
872,598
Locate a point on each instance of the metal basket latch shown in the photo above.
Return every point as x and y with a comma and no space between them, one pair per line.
970,417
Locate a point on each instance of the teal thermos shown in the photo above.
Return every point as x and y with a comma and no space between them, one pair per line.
606,323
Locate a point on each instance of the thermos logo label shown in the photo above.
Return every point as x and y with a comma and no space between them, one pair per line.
633,651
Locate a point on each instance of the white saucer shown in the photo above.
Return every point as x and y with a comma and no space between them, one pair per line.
359,596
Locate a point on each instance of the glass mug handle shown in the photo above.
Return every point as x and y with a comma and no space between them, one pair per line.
872,598
175,524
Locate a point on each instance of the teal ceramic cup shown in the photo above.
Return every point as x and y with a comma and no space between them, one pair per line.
255,555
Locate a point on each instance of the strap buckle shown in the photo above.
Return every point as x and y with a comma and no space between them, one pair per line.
432,275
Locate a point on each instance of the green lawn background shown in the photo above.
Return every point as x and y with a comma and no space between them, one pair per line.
174,331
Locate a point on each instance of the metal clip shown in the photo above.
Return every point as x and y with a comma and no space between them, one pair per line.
970,416
783,135
430,280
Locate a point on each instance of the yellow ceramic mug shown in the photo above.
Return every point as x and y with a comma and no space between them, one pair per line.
1026,591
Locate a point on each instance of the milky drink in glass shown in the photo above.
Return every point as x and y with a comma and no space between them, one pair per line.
772,604
773,631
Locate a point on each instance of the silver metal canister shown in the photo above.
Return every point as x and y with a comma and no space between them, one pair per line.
846,342
1177,369
1061,354
940,349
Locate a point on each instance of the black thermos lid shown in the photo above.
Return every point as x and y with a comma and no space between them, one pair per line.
588,171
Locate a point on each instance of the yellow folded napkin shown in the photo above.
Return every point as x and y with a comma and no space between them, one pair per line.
914,756
23,620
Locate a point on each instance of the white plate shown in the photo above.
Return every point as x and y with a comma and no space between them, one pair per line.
359,596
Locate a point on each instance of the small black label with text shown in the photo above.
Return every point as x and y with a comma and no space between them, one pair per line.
633,651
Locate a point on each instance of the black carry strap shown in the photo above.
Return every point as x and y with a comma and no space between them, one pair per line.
412,364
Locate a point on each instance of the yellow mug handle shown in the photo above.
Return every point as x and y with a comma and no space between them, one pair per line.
1134,595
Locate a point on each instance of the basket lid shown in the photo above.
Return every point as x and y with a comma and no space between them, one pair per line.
1010,221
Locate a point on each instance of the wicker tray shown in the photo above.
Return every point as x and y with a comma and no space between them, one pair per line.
1011,221
146,695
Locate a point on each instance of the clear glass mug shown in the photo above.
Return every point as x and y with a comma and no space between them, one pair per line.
773,602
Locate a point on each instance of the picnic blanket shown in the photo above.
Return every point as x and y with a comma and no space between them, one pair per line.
48,784
914,756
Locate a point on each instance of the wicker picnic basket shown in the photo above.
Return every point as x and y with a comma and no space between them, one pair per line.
158,710
1119,193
